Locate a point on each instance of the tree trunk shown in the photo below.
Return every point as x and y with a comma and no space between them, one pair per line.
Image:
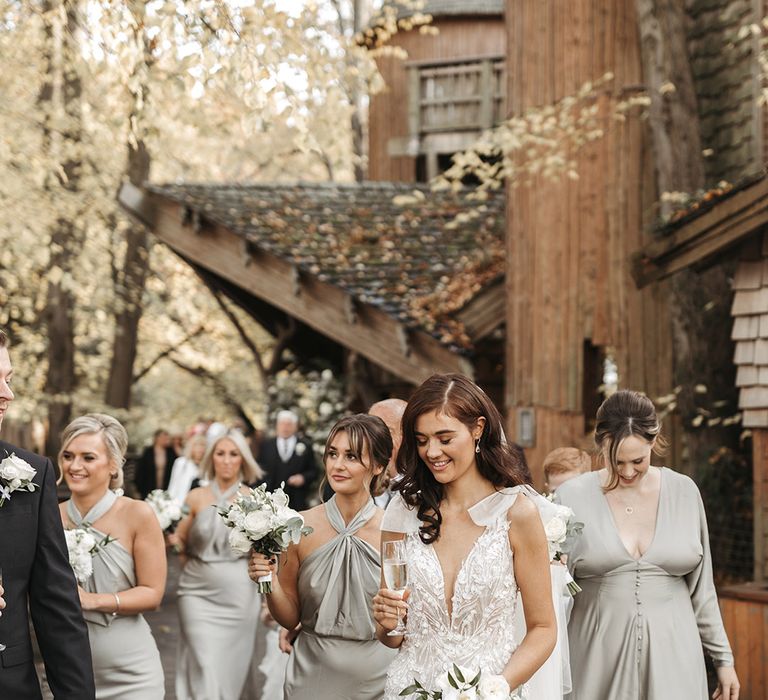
130,281
674,115
66,237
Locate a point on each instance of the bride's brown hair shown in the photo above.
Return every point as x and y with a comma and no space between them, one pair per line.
457,396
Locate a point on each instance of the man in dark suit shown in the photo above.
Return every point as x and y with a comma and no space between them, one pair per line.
153,468
37,578
287,458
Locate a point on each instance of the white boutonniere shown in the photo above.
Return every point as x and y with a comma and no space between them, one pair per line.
15,475
300,448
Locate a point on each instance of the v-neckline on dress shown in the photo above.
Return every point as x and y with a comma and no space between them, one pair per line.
615,526
467,557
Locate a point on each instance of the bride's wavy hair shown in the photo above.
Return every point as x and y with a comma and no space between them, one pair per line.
456,396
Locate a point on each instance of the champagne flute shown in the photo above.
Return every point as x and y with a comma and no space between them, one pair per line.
2,646
395,576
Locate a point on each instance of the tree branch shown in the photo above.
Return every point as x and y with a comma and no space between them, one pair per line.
219,387
165,353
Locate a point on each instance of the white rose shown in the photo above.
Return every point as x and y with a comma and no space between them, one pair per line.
88,541
15,469
555,530
564,512
447,690
493,688
239,541
300,448
257,524
236,517
468,694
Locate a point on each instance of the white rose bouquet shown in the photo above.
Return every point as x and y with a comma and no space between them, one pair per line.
15,475
465,684
82,545
167,509
561,530
263,522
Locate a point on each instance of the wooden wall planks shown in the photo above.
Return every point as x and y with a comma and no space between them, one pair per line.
569,242
388,117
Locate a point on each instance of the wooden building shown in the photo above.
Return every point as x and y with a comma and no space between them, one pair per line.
572,303
439,99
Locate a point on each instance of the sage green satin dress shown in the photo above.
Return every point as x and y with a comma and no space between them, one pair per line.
337,656
219,609
638,625
126,662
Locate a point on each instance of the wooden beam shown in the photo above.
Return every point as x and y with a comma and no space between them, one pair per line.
320,305
485,313
699,241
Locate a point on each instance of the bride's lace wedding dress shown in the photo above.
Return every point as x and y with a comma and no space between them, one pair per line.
479,630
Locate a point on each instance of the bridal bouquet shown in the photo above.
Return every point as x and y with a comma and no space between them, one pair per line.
16,474
463,684
263,522
167,509
82,545
561,530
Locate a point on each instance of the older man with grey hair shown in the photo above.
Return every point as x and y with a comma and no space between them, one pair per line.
290,459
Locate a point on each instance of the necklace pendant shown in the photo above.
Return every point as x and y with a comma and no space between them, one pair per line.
629,510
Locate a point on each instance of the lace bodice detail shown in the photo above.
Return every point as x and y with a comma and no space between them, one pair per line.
480,632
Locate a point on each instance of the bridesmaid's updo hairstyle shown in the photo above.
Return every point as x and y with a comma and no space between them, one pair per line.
620,416
370,433
498,461
112,433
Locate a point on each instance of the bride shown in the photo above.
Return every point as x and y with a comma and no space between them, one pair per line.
473,540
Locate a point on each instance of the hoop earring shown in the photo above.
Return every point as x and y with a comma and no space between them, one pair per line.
477,446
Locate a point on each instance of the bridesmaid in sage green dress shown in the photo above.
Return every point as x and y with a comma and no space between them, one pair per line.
648,602
128,573
219,607
327,581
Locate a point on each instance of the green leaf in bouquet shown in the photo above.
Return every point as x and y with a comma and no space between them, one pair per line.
459,674
410,690
475,680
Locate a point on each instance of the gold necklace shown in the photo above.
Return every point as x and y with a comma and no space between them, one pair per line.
628,509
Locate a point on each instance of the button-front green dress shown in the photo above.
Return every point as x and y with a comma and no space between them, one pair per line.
638,626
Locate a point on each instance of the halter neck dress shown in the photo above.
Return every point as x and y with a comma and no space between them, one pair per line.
337,655
126,662
219,610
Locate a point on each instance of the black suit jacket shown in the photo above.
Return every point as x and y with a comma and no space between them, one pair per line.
278,471
145,476
33,555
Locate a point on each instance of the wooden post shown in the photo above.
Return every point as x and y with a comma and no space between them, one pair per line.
486,94
414,105
760,482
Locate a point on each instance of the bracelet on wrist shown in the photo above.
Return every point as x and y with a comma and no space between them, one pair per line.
117,605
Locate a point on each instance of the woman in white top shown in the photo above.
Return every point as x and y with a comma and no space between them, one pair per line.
187,468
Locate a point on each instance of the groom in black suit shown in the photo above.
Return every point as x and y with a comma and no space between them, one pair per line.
287,458
37,578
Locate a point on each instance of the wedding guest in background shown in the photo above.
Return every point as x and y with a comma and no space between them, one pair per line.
391,412
218,604
648,602
326,582
562,464
177,443
38,582
153,468
128,572
186,469
287,458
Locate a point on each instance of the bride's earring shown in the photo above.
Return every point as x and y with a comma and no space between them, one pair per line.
477,446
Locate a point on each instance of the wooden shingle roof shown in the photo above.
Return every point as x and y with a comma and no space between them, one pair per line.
404,259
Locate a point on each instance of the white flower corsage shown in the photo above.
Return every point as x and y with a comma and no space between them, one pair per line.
300,448
15,475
